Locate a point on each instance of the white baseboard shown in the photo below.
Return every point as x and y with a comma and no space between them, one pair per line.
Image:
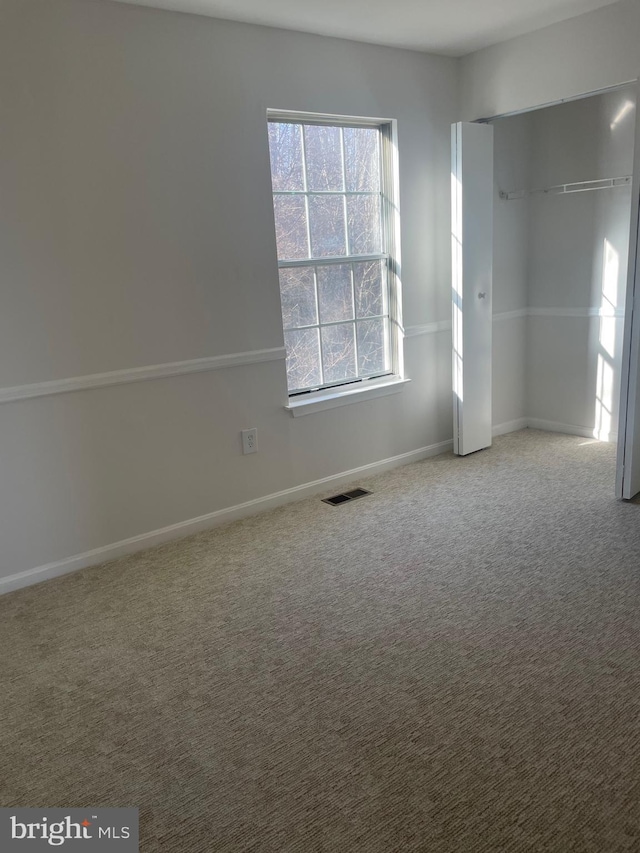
568,429
244,510
550,426
212,519
510,426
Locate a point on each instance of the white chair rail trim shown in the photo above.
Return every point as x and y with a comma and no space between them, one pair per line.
139,374
445,325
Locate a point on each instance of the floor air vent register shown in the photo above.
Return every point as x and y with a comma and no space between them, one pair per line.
345,497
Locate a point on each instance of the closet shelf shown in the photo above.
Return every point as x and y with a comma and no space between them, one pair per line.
565,189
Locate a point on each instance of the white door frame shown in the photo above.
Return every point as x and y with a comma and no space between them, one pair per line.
628,424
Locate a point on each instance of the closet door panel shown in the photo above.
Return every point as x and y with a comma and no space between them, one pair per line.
472,263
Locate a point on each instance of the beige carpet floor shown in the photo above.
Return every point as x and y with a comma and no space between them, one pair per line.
450,664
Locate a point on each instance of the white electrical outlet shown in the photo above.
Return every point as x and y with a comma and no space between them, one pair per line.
250,440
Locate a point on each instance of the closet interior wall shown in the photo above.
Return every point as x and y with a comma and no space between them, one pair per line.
560,332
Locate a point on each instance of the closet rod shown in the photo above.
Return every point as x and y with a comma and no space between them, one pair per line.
565,189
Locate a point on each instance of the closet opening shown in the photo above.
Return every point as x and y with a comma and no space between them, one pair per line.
562,212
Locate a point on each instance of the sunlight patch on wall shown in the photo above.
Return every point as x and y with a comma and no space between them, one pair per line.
624,110
605,376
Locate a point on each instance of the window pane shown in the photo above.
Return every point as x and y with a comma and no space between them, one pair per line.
291,227
328,206
335,293
324,157
285,148
363,214
339,353
369,280
362,159
298,297
303,358
326,214
372,355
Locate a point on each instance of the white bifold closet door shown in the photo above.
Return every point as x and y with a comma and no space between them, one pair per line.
472,260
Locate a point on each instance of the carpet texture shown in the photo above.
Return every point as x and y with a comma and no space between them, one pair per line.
451,664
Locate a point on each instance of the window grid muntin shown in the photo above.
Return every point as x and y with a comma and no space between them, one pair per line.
356,316
354,321
344,197
347,258
307,194
355,380
326,192
303,149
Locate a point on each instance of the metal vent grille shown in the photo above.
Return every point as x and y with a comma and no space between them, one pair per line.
345,497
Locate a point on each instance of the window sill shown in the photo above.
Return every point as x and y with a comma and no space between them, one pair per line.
333,398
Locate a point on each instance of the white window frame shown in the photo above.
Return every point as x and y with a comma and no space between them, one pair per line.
349,391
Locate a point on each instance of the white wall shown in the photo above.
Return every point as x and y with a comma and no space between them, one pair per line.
136,229
581,55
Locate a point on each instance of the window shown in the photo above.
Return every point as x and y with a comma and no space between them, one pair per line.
335,223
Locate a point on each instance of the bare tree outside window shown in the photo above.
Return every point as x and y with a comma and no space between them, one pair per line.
328,199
